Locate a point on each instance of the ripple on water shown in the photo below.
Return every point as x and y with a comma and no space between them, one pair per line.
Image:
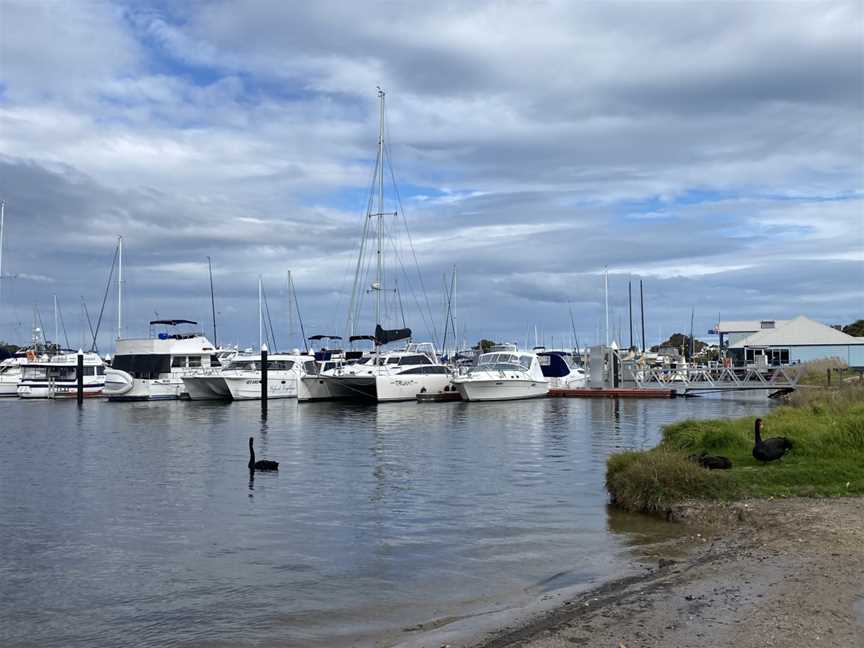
380,518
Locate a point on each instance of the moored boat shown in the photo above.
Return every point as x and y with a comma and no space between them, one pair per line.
503,375
57,377
153,368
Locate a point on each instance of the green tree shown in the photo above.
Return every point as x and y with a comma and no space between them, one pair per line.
856,328
485,345
682,343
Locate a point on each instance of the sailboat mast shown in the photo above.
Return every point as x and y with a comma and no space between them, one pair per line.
642,313
56,323
630,301
260,316
380,265
119,287
212,303
290,309
606,296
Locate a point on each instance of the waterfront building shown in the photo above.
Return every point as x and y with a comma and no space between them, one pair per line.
782,342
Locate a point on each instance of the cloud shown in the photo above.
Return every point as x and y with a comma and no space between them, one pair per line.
713,150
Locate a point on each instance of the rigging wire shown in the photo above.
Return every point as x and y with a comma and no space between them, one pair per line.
105,298
63,324
410,240
299,317
89,323
274,347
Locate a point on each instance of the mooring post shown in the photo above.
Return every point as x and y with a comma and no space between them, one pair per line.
263,381
79,375
828,371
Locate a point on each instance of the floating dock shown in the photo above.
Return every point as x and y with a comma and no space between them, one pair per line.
612,392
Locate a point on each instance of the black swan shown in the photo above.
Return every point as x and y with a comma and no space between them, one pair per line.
261,464
711,462
769,449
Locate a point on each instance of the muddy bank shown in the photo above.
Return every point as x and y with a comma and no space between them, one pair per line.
759,573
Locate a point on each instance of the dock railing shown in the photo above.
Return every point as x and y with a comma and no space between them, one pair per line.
712,378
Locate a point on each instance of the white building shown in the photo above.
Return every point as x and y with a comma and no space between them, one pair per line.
792,341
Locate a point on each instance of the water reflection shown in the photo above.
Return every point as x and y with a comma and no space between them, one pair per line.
379,517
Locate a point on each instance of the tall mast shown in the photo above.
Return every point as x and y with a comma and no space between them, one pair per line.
119,287
212,302
290,309
379,278
260,316
630,301
642,313
56,323
606,294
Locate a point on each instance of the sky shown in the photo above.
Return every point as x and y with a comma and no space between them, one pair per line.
713,151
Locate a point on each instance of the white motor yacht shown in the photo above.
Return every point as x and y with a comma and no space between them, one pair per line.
10,368
240,379
57,377
153,368
503,375
10,373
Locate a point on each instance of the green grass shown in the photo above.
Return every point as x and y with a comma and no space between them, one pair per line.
826,427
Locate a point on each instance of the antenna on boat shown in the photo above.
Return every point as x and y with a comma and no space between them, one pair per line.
212,302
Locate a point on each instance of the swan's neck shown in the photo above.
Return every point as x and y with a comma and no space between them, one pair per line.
758,434
251,456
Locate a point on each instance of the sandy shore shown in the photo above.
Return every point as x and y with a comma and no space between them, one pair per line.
784,573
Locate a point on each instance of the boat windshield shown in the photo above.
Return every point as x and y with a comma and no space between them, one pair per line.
506,361
244,365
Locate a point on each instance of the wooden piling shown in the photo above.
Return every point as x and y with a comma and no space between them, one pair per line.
79,375
263,381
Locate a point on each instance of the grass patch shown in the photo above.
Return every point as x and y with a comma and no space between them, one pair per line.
826,427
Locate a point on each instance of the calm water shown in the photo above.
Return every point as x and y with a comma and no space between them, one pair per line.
137,524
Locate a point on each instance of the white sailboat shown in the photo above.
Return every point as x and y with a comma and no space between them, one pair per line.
386,375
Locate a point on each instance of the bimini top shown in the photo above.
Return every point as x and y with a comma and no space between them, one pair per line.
172,322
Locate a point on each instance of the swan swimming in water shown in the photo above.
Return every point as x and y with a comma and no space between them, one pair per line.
261,464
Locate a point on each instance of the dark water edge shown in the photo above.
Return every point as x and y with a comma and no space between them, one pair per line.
137,523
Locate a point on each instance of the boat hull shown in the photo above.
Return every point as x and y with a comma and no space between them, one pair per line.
206,388
249,388
62,390
8,389
499,390
313,388
407,387
120,386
